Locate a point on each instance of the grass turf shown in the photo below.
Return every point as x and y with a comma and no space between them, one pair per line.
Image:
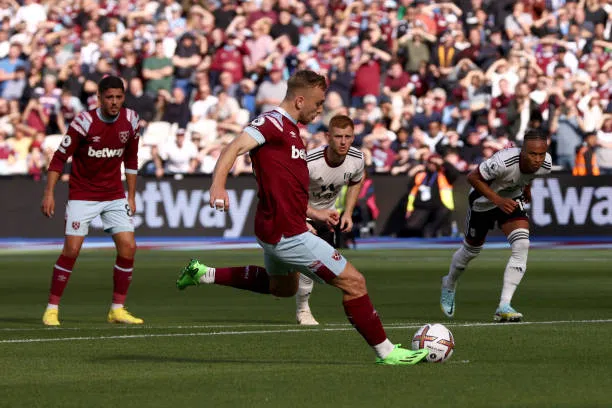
218,347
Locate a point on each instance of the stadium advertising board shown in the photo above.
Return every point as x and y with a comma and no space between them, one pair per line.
562,206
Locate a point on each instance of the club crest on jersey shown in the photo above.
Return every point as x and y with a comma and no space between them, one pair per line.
76,225
124,136
336,256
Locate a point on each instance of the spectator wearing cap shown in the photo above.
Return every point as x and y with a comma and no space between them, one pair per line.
178,156
186,59
158,70
272,91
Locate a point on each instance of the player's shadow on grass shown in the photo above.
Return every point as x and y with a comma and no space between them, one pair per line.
132,358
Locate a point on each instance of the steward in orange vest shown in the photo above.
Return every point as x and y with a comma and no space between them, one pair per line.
585,163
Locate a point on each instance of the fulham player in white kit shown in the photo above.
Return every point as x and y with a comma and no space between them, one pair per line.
501,188
330,168
99,141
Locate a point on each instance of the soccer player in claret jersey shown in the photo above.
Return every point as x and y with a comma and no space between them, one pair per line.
330,168
99,141
501,188
279,162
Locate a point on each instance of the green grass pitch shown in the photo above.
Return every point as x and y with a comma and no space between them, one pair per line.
213,346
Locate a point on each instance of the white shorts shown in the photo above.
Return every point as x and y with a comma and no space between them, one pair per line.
305,253
116,216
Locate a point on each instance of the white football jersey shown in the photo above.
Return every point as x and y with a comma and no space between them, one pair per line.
502,172
326,181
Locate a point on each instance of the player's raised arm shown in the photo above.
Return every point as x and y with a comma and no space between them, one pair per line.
240,145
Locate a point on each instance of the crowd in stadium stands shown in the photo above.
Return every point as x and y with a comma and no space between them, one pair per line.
462,79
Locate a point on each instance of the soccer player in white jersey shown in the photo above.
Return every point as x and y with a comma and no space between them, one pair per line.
99,141
330,168
501,188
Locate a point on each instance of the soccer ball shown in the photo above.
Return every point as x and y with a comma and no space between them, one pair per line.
437,339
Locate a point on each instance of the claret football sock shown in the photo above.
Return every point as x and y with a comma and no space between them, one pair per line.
250,277
122,277
363,317
61,274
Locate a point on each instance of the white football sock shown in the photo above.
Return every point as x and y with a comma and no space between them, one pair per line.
50,306
461,258
115,306
209,276
303,294
383,349
517,264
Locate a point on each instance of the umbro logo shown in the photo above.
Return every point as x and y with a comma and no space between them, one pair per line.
292,133
96,139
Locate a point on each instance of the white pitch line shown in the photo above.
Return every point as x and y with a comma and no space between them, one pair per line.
309,330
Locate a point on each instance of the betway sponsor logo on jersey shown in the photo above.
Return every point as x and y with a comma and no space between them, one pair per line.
162,205
558,204
298,153
104,153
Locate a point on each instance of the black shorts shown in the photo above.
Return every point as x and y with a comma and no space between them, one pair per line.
326,234
479,223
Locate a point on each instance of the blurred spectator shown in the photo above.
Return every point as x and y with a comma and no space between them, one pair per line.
157,70
566,126
141,102
586,158
9,65
186,59
179,156
271,91
177,109
430,202
604,150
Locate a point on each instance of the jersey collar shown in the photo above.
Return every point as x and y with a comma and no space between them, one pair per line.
285,114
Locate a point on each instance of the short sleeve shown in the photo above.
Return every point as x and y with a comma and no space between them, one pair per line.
492,168
265,128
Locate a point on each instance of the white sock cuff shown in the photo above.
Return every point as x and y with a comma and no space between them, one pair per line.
475,250
518,234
